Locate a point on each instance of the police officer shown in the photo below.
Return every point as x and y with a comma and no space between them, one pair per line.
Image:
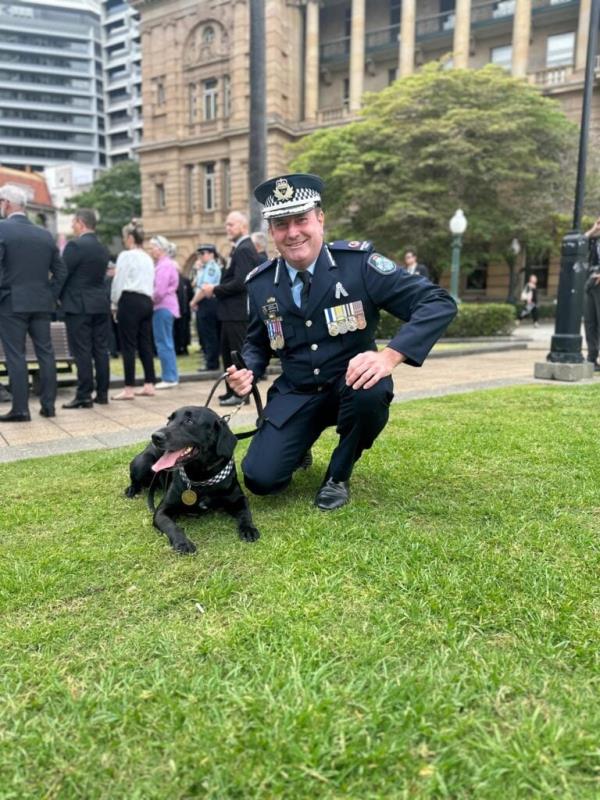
317,307
591,300
208,325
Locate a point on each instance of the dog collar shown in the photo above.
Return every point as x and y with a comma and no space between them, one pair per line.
218,478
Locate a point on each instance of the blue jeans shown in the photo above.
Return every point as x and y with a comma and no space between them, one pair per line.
162,327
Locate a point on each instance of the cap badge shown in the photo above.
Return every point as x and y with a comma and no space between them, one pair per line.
283,190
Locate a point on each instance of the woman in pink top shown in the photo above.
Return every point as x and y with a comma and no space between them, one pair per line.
166,310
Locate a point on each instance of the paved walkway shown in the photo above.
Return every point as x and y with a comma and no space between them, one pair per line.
121,423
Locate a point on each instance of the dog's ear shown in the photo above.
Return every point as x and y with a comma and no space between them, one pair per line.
226,440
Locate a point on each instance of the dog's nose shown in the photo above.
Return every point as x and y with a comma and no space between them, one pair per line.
159,438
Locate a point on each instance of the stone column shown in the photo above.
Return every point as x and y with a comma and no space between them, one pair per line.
407,38
311,61
520,38
240,64
583,34
357,53
462,33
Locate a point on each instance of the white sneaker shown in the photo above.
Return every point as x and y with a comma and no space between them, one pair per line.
166,384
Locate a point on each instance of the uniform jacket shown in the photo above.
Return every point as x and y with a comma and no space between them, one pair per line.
84,291
346,274
32,272
231,292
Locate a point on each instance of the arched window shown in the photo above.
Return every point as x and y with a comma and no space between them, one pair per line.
208,35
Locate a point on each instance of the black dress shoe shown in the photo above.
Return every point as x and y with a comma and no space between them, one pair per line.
15,416
47,412
101,399
332,494
234,400
225,396
75,403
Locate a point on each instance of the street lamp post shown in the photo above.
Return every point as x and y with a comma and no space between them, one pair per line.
565,360
458,225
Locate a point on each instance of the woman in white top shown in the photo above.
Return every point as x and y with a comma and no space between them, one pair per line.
131,298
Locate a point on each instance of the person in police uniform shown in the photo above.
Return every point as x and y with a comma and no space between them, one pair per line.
317,307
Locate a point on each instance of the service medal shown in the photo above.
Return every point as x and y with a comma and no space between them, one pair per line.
189,497
333,329
358,313
352,324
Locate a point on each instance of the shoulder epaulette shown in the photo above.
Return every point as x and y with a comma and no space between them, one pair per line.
343,244
261,268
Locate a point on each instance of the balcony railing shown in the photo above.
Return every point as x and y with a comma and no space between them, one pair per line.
335,49
336,114
539,4
552,76
382,38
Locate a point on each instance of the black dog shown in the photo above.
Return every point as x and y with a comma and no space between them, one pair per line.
196,448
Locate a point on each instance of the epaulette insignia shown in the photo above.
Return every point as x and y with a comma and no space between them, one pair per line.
382,264
261,268
350,245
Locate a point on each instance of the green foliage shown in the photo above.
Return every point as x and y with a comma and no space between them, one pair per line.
439,140
473,319
482,319
437,638
116,196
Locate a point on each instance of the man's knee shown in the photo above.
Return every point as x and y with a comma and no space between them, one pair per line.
263,477
374,400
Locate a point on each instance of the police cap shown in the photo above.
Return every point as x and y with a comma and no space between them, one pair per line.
288,195
208,248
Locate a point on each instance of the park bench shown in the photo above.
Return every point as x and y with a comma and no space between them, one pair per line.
62,354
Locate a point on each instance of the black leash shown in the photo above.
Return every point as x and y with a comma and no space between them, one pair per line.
238,362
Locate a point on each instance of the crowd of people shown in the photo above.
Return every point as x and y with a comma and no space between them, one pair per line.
138,306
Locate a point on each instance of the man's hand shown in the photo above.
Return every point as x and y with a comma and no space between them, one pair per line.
594,231
240,380
207,289
367,369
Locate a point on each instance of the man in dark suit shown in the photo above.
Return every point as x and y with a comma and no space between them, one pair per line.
412,264
31,277
231,294
87,309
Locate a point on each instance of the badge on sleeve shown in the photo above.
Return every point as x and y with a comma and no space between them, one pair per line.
381,264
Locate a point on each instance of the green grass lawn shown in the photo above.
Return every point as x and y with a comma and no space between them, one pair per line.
438,638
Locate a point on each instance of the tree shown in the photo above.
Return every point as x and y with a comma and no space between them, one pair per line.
115,196
441,140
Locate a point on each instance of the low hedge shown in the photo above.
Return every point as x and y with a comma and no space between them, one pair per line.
473,319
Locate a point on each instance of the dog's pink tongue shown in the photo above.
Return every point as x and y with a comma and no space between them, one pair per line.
167,460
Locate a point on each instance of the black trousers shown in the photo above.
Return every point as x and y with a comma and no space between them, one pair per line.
358,414
591,319
13,330
88,339
209,331
232,338
134,315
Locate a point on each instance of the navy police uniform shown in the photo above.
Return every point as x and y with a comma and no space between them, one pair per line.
350,284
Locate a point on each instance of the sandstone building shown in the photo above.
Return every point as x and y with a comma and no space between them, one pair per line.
321,56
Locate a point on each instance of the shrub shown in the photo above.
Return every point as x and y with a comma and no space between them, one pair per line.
473,319
483,319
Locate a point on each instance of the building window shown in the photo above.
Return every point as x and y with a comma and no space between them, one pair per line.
503,8
226,96
158,85
210,99
502,56
392,75
560,49
447,15
192,103
346,93
160,196
226,185
208,35
189,188
395,9
539,265
209,187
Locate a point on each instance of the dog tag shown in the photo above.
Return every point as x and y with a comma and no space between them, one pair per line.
189,497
